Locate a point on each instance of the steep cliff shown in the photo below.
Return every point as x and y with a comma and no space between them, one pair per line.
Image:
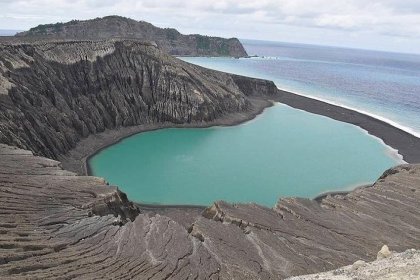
168,39
52,94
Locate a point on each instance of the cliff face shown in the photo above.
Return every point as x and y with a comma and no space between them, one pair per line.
54,94
168,39
54,224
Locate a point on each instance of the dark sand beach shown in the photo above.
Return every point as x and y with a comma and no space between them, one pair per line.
408,146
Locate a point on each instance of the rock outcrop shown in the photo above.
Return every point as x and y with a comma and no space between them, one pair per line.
52,94
399,266
54,224
168,39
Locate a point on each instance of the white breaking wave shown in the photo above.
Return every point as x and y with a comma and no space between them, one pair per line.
381,118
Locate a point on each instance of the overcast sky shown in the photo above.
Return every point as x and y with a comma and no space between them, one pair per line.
392,25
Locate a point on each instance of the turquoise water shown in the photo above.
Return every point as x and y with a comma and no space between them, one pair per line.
283,152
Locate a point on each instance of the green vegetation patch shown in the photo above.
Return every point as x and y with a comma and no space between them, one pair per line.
224,49
54,27
203,42
171,34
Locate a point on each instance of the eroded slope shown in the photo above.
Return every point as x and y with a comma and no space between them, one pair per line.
57,224
53,94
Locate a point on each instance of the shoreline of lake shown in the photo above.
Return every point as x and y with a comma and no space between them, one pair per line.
406,144
78,159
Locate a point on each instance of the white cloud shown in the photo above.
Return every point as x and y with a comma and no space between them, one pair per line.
356,18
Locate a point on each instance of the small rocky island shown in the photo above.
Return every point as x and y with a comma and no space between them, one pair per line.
63,99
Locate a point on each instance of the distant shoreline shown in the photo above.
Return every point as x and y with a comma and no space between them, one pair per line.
380,118
407,145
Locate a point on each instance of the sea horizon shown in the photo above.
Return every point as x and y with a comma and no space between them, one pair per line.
244,40
380,108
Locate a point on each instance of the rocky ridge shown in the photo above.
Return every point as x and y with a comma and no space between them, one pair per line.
53,94
55,224
168,39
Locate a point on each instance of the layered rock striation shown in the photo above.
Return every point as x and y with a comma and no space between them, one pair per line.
53,94
55,224
168,39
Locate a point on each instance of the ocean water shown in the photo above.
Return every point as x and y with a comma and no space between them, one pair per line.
283,152
384,85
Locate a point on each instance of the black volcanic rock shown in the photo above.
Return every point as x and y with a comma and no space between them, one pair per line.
53,94
168,39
